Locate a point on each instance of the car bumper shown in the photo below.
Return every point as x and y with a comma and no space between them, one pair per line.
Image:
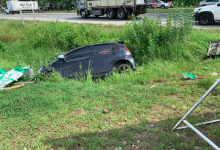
196,16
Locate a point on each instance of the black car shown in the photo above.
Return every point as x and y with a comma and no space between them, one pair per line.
100,59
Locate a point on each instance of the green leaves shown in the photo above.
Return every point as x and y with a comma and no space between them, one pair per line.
2,46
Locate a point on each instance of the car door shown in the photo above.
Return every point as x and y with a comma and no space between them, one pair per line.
103,57
158,3
77,62
217,12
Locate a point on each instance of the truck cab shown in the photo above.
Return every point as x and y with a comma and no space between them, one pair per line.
207,14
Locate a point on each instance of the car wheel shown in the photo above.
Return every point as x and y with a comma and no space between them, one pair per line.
96,16
150,7
121,14
111,13
162,7
83,13
122,68
204,19
203,5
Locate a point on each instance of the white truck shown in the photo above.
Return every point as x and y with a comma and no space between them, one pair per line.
207,14
15,6
120,9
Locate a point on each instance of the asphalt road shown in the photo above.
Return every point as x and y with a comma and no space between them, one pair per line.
72,17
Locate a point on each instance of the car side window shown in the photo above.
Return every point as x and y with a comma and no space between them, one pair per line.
102,49
80,53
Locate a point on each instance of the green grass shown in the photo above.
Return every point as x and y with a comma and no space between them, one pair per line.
56,113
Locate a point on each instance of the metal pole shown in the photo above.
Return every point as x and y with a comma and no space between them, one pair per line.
197,103
201,135
198,124
33,15
22,21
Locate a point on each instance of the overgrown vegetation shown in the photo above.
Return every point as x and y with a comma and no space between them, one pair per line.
186,3
57,113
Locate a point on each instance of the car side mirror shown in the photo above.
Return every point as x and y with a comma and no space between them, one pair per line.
62,57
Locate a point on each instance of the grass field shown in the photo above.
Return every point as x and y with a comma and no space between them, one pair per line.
136,110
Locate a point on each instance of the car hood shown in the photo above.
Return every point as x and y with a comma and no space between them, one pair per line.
204,8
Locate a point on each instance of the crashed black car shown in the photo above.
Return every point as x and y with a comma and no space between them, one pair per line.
98,59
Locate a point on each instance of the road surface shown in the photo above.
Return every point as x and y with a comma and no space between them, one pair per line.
72,17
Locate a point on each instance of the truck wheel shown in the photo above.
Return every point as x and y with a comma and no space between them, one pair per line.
204,19
162,7
121,14
111,13
83,13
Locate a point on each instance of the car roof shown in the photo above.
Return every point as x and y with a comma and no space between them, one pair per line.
75,49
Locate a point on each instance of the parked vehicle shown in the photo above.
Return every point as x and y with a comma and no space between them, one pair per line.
207,14
10,7
101,59
160,4
208,2
120,9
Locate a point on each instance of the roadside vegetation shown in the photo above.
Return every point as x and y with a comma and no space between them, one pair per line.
170,10
136,110
186,3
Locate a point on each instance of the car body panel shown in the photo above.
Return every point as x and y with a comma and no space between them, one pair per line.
208,2
217,12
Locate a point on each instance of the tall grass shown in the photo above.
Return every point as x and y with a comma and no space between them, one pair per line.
149,40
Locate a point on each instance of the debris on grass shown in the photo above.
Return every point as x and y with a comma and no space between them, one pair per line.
189,76
214,74
153,86
13,75
15,87
214,48
105,111
146,129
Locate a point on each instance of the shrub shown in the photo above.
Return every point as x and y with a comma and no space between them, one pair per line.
149,40
186,3
2,46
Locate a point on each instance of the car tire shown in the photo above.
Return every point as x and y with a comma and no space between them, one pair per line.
111,14
204,19
162,7
96,16
121,14
83,13
150,7
203,5
122,68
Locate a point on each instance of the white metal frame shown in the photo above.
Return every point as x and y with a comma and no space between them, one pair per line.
191,110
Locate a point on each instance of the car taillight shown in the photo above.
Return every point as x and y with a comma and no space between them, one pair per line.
129,53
